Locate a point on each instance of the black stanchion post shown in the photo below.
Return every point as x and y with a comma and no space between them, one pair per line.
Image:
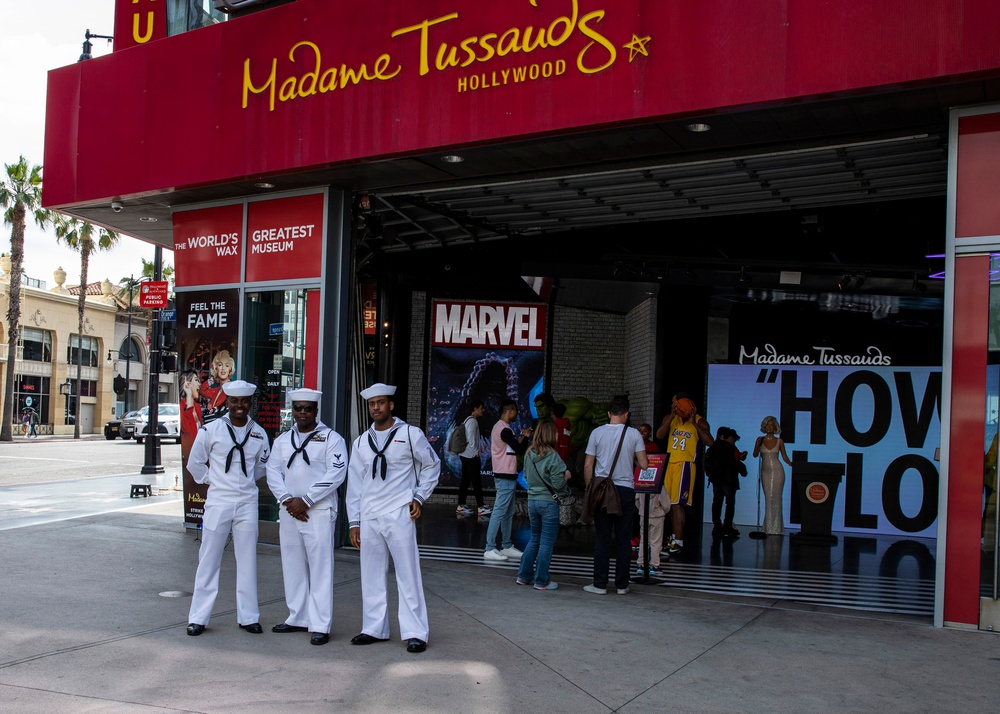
645,538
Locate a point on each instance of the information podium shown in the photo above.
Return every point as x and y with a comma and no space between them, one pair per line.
814,488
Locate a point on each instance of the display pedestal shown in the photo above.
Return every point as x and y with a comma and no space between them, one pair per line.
814,486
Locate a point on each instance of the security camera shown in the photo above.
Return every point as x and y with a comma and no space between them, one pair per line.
117,206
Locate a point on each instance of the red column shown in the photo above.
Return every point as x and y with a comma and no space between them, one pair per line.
966,447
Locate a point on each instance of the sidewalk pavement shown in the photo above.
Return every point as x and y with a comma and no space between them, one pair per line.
92,622
22,439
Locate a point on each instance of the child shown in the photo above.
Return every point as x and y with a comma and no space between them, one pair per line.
723,466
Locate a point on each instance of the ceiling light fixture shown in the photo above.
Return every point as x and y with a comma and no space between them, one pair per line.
263,184
148,219
452,159
698,127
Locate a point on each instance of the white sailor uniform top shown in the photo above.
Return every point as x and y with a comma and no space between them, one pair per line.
309,466
388,470
229,459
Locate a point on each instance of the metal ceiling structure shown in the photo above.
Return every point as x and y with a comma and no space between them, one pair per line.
831,187
743,183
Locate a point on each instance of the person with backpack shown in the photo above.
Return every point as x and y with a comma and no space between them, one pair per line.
723,466
464,441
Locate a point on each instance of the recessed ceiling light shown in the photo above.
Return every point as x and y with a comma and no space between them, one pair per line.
698,127
148,219
452,159
263,184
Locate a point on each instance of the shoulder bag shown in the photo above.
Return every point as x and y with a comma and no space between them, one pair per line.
567,504
601,492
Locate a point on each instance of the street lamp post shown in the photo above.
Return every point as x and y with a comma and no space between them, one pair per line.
128,355
66,389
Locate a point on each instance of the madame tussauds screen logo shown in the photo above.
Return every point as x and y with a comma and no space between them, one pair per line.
306,71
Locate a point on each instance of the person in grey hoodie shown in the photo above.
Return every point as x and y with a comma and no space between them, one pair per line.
547,476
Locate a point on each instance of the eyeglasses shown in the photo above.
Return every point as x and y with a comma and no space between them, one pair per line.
304,407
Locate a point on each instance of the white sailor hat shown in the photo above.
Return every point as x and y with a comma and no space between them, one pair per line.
305,395
239,388
378,390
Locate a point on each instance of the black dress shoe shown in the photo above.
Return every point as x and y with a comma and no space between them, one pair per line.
195,629
253,628
364,639
285,627
319,638
415,644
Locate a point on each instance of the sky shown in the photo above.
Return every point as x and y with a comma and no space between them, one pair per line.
36,36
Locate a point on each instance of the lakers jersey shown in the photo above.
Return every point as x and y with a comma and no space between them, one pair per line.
682,439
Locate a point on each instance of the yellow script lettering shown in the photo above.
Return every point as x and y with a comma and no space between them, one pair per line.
598,38
248,84
424,40
140,39
311,77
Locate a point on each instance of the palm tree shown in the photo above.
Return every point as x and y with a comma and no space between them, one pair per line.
86,238
20,194
149,267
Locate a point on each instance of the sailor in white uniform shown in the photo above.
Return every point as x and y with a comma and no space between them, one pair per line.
307,465
393,470
229,454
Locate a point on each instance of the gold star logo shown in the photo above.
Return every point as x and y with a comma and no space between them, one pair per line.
637,47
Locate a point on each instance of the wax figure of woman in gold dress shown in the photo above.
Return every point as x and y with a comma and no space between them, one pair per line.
772,474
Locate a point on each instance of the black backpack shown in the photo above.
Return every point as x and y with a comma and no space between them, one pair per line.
458,441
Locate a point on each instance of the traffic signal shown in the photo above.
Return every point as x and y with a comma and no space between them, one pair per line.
168,332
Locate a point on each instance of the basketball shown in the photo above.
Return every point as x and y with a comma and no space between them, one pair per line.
685,408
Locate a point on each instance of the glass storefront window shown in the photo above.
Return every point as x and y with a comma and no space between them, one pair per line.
275,338
32,393
91,350
35,345
989,584
129,350
187,15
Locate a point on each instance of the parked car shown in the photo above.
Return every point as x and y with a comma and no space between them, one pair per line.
113,429
168,423
132,422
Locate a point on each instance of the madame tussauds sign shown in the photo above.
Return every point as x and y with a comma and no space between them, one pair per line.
501,325
822,356
444,43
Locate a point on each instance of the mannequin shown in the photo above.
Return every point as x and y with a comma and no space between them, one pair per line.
772,474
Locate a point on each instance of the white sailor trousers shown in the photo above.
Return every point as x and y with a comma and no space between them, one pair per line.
307,568
219,519
392,534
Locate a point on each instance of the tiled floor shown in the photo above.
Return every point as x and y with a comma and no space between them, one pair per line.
880,573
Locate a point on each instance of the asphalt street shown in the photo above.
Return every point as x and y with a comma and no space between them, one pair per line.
53,479
26,461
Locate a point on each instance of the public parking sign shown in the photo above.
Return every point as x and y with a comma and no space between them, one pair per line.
153,294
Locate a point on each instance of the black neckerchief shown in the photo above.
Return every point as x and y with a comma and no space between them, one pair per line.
238,446
381,454
301,449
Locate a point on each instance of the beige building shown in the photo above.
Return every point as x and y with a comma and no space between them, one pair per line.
47,352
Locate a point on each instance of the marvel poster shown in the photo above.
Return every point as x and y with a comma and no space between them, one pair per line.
486,351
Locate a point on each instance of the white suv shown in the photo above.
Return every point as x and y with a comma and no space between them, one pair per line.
168,423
